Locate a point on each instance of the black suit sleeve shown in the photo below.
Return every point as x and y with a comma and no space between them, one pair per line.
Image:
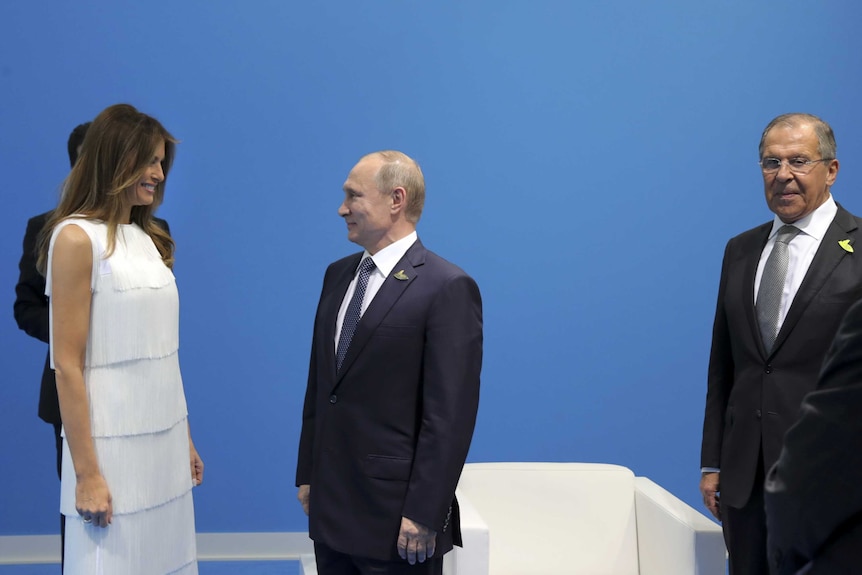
720,376
31,304
812,493
305,456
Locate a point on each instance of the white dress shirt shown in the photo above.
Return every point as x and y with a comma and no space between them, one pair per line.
385,261
801,250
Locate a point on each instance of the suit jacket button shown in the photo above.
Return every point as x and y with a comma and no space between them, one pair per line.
768,369
758,413
333,398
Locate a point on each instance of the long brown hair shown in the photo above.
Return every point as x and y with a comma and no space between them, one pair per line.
117,149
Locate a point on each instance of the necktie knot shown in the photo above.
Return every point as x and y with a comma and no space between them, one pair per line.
786,234
367,265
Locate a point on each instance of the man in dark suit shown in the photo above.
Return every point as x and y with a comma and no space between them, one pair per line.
392,397
31,303
782,294
31,309
813,499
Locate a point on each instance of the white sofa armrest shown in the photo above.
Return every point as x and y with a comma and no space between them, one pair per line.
674,538
307,564
474,557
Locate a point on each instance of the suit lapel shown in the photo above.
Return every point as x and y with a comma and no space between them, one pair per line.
391,290
827,258
752,259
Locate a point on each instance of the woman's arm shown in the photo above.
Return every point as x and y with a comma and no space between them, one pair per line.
71,271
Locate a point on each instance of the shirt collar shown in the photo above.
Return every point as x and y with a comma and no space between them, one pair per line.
814,224
386,258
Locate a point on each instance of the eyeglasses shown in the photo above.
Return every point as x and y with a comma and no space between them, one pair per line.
795,165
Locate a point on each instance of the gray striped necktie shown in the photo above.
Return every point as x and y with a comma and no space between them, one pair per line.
768,302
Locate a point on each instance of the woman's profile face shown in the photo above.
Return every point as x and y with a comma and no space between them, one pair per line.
144,192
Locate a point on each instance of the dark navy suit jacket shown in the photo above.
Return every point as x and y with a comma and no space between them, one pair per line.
388,435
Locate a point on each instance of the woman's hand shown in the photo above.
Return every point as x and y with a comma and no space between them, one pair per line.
197,465
93,500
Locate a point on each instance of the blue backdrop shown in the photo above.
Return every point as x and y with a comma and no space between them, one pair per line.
585,161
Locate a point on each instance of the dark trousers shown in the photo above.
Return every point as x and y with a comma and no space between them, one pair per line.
745,531
331,562
58,441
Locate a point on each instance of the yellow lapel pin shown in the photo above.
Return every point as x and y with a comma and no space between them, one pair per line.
400,275
846,245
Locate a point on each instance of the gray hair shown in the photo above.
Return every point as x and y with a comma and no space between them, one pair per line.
825,138
401,171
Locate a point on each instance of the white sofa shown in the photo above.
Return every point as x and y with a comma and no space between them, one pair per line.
578,518
575,519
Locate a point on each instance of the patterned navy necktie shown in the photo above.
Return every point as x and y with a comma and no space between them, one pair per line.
772,281
354,311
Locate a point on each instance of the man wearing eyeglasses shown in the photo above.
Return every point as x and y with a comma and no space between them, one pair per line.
785,285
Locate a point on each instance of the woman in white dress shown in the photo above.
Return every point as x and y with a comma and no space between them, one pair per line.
129,461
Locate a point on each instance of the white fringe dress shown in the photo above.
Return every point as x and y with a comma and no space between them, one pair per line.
138,415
